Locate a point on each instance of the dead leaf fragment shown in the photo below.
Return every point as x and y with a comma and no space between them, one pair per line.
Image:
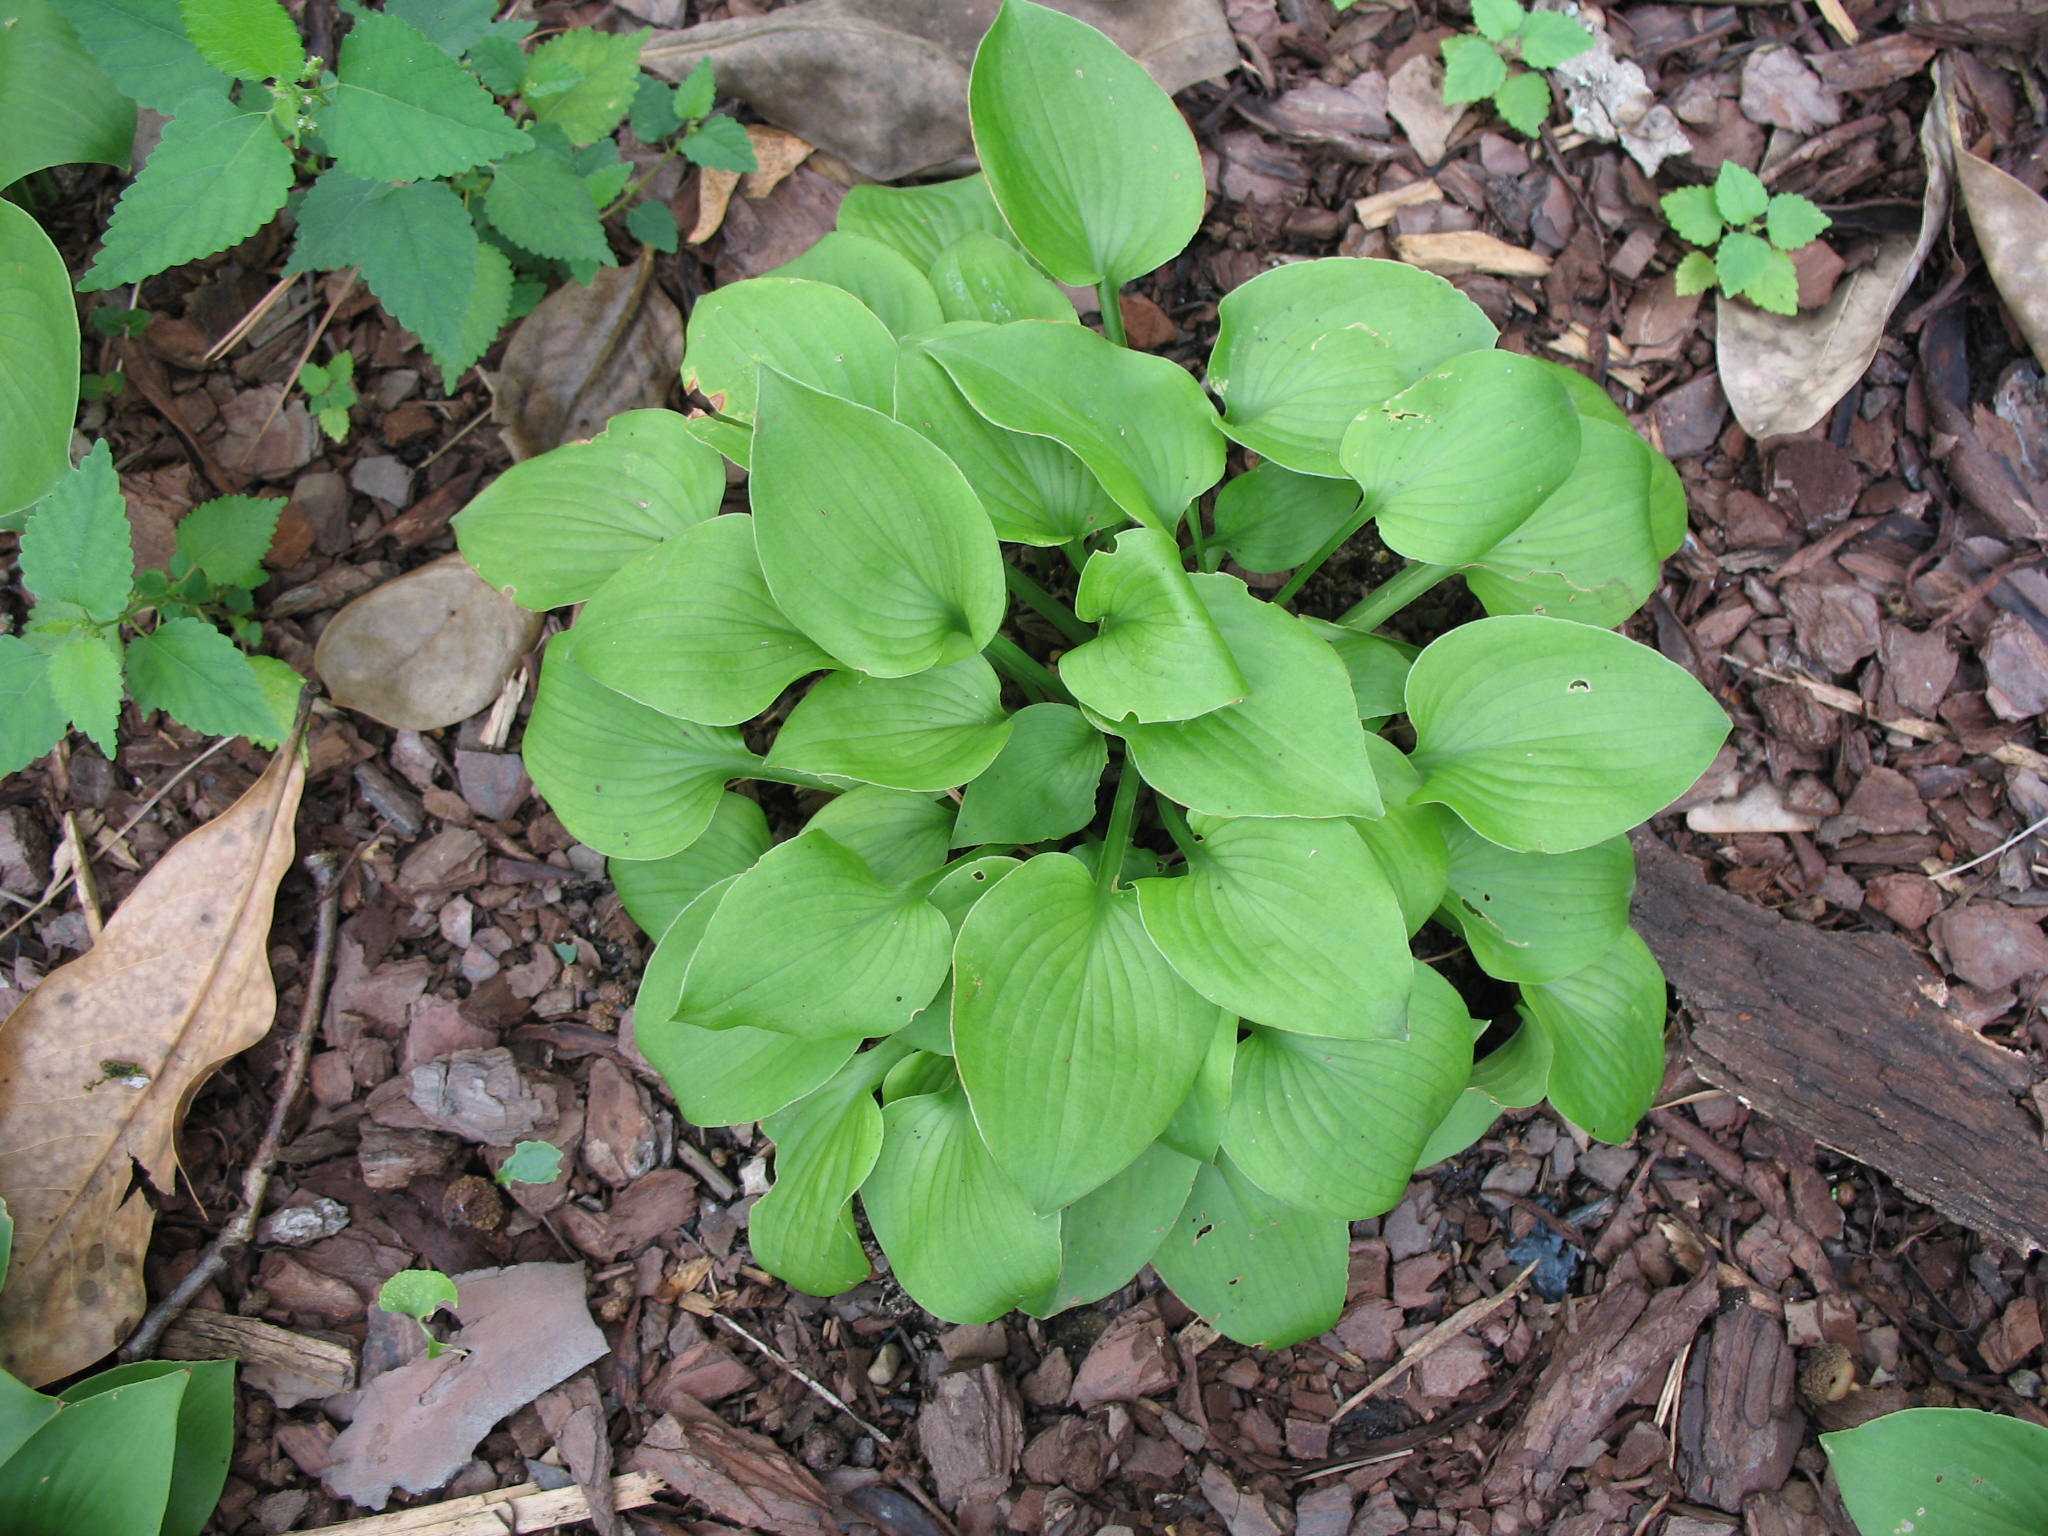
1779,90
1610,99
1460,252
98,1065
2011,223
1415,100
428,649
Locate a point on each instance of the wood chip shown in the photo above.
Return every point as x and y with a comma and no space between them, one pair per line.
199,1334
1461,252
1377,211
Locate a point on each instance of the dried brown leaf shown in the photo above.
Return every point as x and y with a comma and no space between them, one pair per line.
99,1064
2011,222
1415,100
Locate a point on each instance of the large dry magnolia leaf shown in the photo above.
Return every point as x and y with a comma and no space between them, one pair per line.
98,1065
2011,221
427,649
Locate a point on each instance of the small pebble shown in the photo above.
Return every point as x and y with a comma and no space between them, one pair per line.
887,1362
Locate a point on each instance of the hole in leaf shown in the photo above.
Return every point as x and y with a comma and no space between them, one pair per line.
1204,1230
1578,685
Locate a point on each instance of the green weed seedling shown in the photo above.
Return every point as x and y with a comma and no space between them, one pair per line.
1092,946
1478,68
1746,234
461,172
531,1162
419,1294
330,390
1943,1472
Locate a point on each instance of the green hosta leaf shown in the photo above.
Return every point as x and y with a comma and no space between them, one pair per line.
1378,668
720,144
655,224
931,1029
59,106
30,721
879,277
1154,454
1034,490
825,1147
193,672
1497,20
630,781
23,1411
1551,37
697,94
454,25
1793,221
227,538
1302,349
1605,1025
809,942
816,334
59,1482
1776,285
38,361
1457,460
920,222
1695,274
1588,398
1943,1472
405,111
981,277
1076,1041
1523,100
76,547
654,891
556,528
537,202
1513,1077
1196,1129
1334,1127
689,628
882,587
1294,747
205,1432
1157,654
1693,215
929,731
249,39
1537,916
1273,518
900,836
1740,259
586,81
1285,923
1408,840
1473,68
142,46
1041,786
960,1236
1087,157
85,680
1262,1273
1546,735
1111,1232
217,176
1739,194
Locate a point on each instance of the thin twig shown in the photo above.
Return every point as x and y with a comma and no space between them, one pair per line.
467,427
251,320
325,868
1984,858
817,1387
88,887
1465,1317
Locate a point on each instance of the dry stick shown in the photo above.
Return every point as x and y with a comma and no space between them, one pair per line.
325,868
251,320
1467,1316
341,292
88,887
528,1507
817,1387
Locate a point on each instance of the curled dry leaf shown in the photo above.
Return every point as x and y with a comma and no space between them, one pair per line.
776,152
427,649
585,354
98,1065
2011,223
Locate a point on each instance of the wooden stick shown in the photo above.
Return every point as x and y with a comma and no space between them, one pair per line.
200,1334
1467,1316
526,1507
817,1387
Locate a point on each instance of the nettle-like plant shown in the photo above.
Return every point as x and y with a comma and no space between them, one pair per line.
1476,67
460,173
1094,947
1747,234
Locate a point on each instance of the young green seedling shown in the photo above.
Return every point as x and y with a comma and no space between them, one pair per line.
1725,220
419,1294
1477,68
531,1162
330,390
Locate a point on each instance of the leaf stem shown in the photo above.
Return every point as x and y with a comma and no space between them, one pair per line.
795,777
1314,563
1028,673
1112,310
1055,612
1394,594
1200,549
1122,813
1176,824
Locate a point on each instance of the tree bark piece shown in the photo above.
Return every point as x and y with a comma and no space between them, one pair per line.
1843,1036
1738,1427
202,1335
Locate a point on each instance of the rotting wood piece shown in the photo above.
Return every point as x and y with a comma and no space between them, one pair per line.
527,1507
198,1334
1738,1426
1841,1036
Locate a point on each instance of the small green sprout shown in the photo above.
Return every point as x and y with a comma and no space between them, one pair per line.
419,1294
1723,220
330,391
1476,68
531,1162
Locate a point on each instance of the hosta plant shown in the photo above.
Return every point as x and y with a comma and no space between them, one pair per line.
1943,1472
1090,940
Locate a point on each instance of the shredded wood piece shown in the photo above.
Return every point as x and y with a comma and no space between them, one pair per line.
1467,1316
526,1507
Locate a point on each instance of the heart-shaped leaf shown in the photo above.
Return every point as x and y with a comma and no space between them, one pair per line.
1273,518
825,1146
1537,916
870,539
1944,1472
899,836
1157,654
1041,785
929,731
1378,668
653,891
979,277
1513,1077
883,279
1407,840
1264,1274
1111,1233
1546,735
920,222
1606,1029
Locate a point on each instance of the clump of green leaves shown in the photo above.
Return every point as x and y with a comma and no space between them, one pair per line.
1096,944
460,172
330,390
419,1294
1943,1472
100,630
1746,234
1478,68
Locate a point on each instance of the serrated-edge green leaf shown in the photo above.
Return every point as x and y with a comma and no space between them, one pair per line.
1523,100
30,721
85,680
228,537
404,111
720,143
1792,221
538,203
1549,38
1739,194
606,71
1696,273
77,547
193,673
1497,20
1740,259
1693,214
142,46
250,39
1473,69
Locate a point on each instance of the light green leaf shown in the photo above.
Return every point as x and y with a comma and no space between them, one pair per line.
1273,518
1605,1025
1776,286
654,891
282,690
142,46
1196,1129
1302,349
1523,100
405,111
454,25
30,721
1285,923
931,1028
899,293
981,277
227,538
809,942
1157,451
1262,1273
1457,460
920,222
1294,747
1473,68
1588,398
960,1236
928,731
193,672
720,144
825,1147
1693,214
59,107
1943,1472
1739,194
57,1484
1087,157
23,1411
871,540
689,628
1407,840
816,334
1156,654
899,836
1695,274
537,202
1334,1127
1111,1232
1792,221
1513,1077
205,1432
1378,668
531,1162
554,529
1536,916
249,39
417,1293
1497,20
1075,1039
604,71
1546,735
1551,37
38,360
216,177
85,680
1041,785
698,92
76,547
1741,259
630,781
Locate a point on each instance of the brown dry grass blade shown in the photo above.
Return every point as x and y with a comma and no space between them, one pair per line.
98,1065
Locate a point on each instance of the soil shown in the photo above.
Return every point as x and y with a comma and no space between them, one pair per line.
1703,1302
